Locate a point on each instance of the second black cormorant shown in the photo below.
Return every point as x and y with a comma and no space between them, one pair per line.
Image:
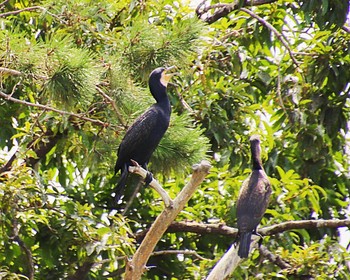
144,135
253,199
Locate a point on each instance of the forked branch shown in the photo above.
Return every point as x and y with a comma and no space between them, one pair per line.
136,266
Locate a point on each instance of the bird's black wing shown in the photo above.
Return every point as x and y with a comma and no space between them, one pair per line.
140,139
253,200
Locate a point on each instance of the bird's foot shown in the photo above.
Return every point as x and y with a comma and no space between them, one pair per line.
261,237
149,178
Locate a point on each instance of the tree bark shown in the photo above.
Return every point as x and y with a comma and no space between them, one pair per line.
136,267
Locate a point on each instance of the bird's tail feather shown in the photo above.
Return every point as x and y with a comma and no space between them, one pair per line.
119,188
244,244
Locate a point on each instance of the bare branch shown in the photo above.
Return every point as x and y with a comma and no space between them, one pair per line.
136,266
222,10
12,72
277,260
195,227
28,253
2,4
154,184
221,229
230,259
134,194
306,224
112,102
22,10
48,108
228,263
82,271
274,30
346,28
176,252
28,9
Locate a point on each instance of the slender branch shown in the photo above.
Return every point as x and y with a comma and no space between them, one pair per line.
3,3
28,9
134,194
306,224
48,108
112,102
4,70
136,266
277,260
82,271
176,252
28,253
22,10
275,31
346,28
222,10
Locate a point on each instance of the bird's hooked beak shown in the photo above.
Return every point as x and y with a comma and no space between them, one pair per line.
167,76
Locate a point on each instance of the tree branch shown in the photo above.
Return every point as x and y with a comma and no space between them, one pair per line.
230,259
274,30
4,70
195,227
82,271
22,10
45,146
112,102
154,184
305,224
28,254
221,229
176,252
28,9
48,108
3,3
273,258
228,263
222,10
136,266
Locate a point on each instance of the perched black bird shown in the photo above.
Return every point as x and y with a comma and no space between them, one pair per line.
253,199
144,135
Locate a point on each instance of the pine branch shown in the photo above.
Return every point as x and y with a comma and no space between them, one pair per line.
48,108
222,10
136,266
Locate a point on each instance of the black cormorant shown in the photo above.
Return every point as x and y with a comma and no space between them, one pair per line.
253,199
144,135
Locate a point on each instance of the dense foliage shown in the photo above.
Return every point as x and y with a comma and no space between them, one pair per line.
73,77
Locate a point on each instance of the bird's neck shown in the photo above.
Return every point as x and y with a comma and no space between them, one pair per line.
159,93
256,156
